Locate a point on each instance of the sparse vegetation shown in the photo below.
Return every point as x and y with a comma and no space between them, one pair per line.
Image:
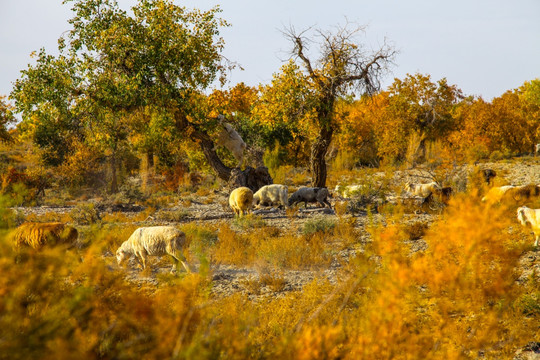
318,225
118,133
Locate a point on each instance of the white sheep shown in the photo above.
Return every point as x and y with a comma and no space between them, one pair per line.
349,190
154,241
532,216
423,190
311,195
537,150
241,200
272,194
230,139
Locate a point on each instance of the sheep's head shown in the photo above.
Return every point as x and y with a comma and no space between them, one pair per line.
256,199
409,186
121,256
521,215
293,199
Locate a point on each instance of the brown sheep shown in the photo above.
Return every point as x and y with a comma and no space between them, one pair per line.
524,192
511,192
488,175
443,194
37,235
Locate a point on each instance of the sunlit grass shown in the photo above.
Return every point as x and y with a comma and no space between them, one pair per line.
457,299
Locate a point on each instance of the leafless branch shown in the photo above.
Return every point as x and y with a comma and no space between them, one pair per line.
343,62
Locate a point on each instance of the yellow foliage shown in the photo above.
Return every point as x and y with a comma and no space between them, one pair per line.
457,299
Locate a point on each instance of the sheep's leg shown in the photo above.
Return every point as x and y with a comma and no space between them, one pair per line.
138,258
179,257
175,263
144,257
427,199
184,262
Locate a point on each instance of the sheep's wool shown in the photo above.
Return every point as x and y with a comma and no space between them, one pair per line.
37,235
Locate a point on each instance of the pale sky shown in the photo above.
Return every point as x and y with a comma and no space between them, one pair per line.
485,47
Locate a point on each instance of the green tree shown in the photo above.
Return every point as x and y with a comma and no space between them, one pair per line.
112,65
285,110
530,97
343,66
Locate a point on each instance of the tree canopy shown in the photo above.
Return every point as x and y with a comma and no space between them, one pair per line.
113,65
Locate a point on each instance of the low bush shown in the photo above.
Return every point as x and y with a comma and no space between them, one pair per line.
318,224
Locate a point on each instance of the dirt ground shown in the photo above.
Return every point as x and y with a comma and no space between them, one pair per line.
229,279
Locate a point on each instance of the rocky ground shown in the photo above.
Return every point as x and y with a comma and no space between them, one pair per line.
228,279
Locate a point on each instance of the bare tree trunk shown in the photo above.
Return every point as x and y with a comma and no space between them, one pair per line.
207,146
150,160
253,178
420,152
114,177
147,170
318,156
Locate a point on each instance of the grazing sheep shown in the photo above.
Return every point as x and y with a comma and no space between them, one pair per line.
496,193
311,195
230,139
348,190
241,200
488,175
537,150
531,216
511,192
444,194
423,190
524,192
271,194
37,235
154,241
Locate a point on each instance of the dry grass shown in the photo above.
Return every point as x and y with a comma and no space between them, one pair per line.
457,299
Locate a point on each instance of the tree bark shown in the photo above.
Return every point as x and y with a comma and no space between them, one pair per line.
114,178
318,156
150,160
250,177
207,146
320,146
420,152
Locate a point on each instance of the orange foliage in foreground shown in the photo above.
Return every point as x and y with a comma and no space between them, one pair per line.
457,299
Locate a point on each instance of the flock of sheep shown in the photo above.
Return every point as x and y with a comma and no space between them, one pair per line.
242,199
168,240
